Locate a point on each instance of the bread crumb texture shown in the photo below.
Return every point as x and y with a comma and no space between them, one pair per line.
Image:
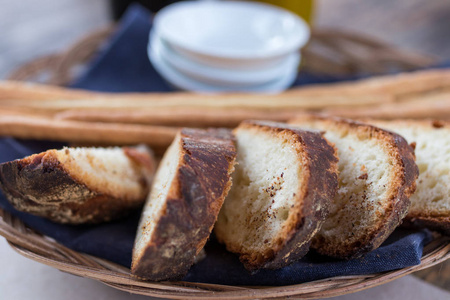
266,184
160,188
104,170
432,149
364,177
374,186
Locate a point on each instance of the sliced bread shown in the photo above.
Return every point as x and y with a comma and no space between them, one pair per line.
430,204
284,181
377,175
190,185
79,185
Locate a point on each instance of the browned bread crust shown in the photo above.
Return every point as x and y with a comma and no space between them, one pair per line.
191,207
438,223
42,185
403,185
319,168
428,214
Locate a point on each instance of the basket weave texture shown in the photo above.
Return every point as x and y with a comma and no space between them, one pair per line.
42,249
329,52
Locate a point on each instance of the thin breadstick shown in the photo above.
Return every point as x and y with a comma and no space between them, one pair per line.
419,94
34,91
431,106
29,111
53,98
375,89
176,117
34,127
285,100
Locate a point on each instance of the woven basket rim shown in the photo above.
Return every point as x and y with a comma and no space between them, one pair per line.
42,249
45,250
379,57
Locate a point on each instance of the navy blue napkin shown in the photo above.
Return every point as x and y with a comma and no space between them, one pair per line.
123,66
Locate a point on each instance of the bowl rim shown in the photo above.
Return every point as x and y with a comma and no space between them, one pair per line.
184,82
195,69
258,54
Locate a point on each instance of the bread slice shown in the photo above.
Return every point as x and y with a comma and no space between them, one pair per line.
430,204
190,185
79,185
282,186
377,175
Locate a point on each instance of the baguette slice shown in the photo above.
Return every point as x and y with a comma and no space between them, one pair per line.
79,185
282,186
377,175
188,191
430,205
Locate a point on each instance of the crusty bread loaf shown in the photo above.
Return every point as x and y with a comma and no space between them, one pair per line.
79,185
190,185
430,204
282,186
377,176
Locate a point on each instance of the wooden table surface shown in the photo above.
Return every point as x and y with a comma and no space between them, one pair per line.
30,29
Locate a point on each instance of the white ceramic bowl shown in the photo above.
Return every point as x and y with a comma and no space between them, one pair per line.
233,34
183,82
220,76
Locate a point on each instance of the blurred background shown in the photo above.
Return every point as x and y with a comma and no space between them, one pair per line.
31,29
419,29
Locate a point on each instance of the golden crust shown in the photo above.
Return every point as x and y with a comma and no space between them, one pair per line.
428,218
319,171
403,185
438,223
202,180
42,185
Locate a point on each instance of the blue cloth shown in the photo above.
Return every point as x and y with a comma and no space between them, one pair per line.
123,66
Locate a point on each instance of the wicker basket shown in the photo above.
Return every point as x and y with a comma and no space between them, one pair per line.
42,249
328,52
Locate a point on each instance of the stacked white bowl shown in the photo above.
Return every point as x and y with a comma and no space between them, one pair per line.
227,46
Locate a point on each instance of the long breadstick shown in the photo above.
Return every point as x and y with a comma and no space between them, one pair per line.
428,106
264,102
405,83
408,95
24,125
176,117
372,91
